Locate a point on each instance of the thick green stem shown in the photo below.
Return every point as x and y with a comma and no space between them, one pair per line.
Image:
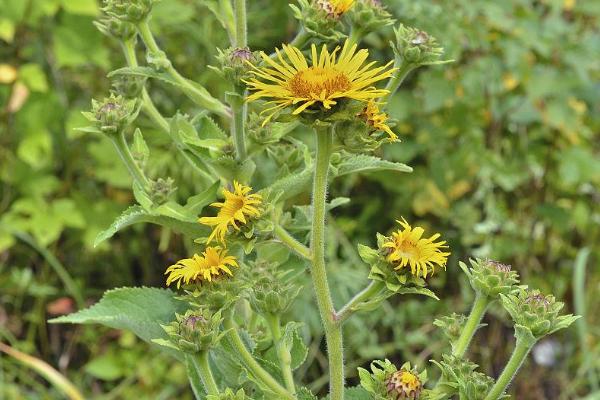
348,310
136,172
287,239
253,365
203,367
517,358
393,84
333,331
239,108
241,33
477,312
199,95
356,35
283,353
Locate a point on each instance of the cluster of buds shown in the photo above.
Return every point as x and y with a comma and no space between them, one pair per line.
112,114
116,28
195,331
134,11
319,19
369,15
535,315
414,48
386,381
235,63
491,278
460,377
270,293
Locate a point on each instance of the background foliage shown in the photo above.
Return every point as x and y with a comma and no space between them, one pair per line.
505,144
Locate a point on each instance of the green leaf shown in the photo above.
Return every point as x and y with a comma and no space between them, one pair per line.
196,204
140,310
353,164
33,76
294,342
136,214
139,149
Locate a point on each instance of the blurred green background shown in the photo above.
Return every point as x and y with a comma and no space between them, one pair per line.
505,145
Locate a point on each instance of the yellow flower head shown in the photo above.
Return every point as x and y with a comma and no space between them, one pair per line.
404,384
407,246
377,119
237,208
329,77
213,262
335,8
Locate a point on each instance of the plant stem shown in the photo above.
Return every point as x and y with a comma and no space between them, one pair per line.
253,365
283,353
239,108
355,36
241,32
519,354
333,331
348,310
199,95
203,367
477,312
136,172
393,84
287,239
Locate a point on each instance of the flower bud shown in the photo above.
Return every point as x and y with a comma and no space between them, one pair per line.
128,86
491,278
128,10
452,325
270,292
414,47
460,376
387,382
236,63
112,114
228,394
195,331
367,16
404,384
116,28
319,19
158,60
536,313
161,190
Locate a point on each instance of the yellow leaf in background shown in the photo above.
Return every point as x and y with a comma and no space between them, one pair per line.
569,4
510,82
577,105
458,189
7,30
8,73
18,97
431,199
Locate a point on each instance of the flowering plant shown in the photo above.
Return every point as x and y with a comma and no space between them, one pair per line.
226,317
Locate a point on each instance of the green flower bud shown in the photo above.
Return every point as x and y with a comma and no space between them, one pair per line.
116,28
128,86
369,15
134,11
491,278
113,114
318,20
271,292
414,47
451,325
195,331
220,294
460,376
235,64
535,313
228,394
158,60
385,381
287,156
161,190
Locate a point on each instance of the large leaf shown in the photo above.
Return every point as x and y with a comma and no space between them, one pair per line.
352,164
140,310
137,214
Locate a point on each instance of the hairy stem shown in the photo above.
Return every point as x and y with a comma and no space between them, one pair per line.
477,312
203,367
239,108
136,172
519,355
393,84
348,310
333,331
283,353
253,365
241,31
287,239
196,93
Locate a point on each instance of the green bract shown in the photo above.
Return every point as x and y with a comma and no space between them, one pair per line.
491,278
128,10
116,28
194,331
535,313
451,325
316,22
269,293
112,114
369,15
415,47
385,381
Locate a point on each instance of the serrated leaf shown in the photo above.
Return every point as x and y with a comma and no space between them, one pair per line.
176,211
140,310
294,342
353,164
140,195
196,204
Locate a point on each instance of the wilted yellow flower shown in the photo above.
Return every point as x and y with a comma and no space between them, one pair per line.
326,80
335,8
404,384
237,207
408,247
213,262
377,119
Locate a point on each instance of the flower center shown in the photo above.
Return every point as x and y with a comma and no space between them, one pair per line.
318,81
410,380
408,249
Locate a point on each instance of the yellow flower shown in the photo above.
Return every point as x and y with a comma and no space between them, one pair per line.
335,8
404,384
213,262
237,207
377,119
328,78
408,247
